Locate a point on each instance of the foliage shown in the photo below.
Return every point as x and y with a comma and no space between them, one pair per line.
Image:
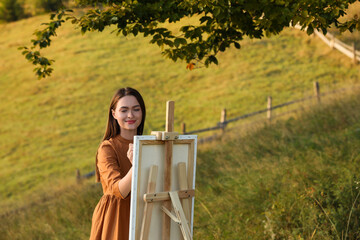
44,40
11,10
49,5
221,23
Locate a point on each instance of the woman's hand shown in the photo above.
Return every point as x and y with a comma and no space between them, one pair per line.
130,153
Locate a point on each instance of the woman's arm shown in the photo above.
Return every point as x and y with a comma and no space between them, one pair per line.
109,170
125,184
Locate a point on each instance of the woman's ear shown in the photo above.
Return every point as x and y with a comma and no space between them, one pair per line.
113,113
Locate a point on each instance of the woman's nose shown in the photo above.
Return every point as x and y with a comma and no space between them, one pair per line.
130,114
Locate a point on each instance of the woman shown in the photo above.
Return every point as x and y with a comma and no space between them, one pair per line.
114,165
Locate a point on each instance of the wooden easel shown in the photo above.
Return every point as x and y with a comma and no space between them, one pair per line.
168,197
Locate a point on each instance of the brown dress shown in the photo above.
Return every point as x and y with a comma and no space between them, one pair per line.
112,214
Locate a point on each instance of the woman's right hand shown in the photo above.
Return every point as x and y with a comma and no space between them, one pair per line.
130,153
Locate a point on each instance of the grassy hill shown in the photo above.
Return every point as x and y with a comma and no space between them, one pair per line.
51,127
293,179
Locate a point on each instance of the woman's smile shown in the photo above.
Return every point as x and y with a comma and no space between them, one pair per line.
128,115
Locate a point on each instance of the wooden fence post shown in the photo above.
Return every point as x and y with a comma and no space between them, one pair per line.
269,106
78,176
317,91
354,53
183,128
223,119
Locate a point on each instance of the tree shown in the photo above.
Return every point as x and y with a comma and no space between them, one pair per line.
222,23
11,10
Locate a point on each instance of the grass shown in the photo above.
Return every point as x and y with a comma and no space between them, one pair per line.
294,179
52,127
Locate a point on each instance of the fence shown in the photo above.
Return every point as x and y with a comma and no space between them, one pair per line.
223,123
335,43
268,110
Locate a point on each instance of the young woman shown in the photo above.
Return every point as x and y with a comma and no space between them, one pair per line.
114,165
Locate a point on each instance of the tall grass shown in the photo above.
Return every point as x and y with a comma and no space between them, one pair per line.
294,179
66,215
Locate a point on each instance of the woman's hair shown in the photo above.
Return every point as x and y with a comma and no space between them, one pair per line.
113,128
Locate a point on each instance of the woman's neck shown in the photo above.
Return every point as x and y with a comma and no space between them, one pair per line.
128,134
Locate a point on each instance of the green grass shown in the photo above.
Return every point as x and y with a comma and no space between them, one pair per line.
294,179
280,178
51,127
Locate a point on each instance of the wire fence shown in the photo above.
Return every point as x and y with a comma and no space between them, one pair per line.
224,122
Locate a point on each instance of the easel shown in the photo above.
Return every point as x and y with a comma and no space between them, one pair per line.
168,197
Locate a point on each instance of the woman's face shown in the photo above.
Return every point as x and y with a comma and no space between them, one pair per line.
128,113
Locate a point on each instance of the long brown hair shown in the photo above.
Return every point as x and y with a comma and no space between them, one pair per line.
112,127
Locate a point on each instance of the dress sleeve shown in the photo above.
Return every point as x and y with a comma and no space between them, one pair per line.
109,168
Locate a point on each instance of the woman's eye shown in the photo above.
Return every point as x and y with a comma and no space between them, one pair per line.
137,109
123,111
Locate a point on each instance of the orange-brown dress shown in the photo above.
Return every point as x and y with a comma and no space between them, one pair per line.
112,214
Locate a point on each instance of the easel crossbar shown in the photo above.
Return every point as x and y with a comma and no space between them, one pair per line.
164,196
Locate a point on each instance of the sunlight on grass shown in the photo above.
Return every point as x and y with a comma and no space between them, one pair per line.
52,127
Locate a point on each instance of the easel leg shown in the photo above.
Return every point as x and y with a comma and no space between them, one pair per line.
169,127
167,187
145,227
183,186
184,226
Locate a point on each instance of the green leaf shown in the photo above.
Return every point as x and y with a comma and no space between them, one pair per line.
169,43
29,56
135,31
185,28
223,46
217,11
179,41
159,42
213,59
310,30
157,36
176,42
183,41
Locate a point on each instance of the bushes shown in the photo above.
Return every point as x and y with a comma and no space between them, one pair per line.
11,10
49,5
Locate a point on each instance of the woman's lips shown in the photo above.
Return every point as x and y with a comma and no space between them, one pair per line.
130,121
